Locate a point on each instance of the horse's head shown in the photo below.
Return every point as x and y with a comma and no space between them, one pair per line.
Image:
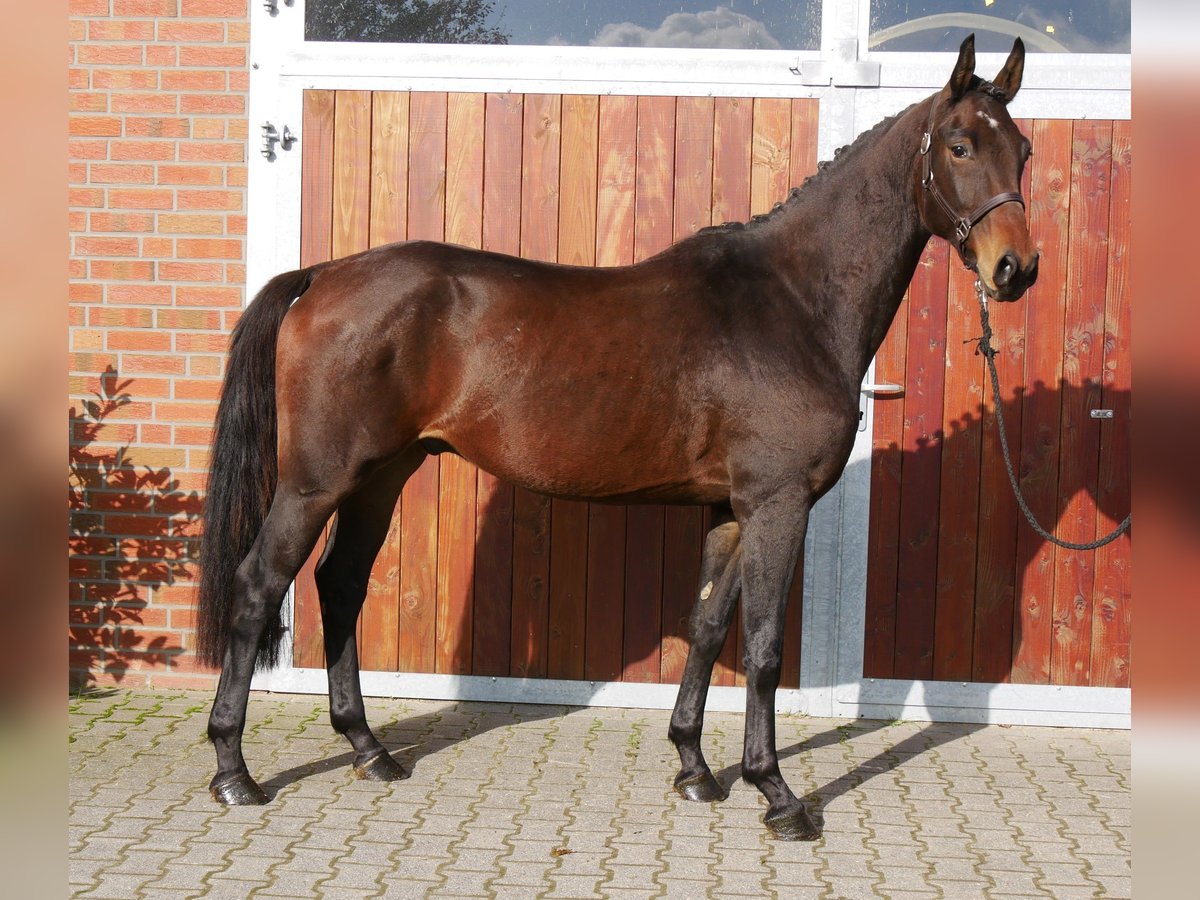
972,157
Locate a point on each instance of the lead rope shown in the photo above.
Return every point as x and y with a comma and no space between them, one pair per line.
989,353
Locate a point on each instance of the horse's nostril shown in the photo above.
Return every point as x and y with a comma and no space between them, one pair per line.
1005,270
1031,275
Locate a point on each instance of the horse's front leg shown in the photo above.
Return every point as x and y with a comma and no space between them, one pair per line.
772,536
720,585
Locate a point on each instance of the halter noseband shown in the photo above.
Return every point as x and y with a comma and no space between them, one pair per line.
962,224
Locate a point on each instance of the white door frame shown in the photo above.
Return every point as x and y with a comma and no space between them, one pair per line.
831,683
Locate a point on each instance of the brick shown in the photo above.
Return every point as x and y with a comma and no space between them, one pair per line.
139,293
88,7
193,435
216,152
209,248
116,317
232,104
158,248
228,200
87,101
139,150
185,412
206,342
196,389
239,80
200,175
134,198
125,79
215,57
207,80
239,32
87,149
188,318
190,271
84,339
157,126
145,103
205,365
214,9
168,365
162,55
123,270
132,222
155,434
116,30
76,222
176,30
208,129
145,8
79,79
106,246
236,225
94,126
77,268
139,340
120,174
191,224
76,173
235,273
110,55
169,680
87,197
208,296
236,176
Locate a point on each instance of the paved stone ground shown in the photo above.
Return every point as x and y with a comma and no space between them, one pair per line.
525,801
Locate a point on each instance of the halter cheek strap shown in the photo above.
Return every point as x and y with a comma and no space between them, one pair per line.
962,224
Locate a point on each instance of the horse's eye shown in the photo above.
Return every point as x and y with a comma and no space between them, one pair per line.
960,151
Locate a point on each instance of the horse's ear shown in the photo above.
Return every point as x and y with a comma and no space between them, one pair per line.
1009,79
964,69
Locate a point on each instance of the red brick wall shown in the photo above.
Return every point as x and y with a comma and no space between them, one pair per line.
157,232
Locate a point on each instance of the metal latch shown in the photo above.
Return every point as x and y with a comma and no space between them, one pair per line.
1102,413
845,69
271,137
870,389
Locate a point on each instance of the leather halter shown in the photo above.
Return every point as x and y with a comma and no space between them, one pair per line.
962,224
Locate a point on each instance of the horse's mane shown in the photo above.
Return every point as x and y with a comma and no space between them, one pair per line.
842,156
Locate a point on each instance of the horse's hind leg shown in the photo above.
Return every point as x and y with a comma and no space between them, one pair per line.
287,537
342,576
720,585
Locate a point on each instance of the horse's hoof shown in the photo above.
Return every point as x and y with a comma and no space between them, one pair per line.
237,790
702,788
381,767
792,824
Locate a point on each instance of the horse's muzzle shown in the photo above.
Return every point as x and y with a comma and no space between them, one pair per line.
1011,280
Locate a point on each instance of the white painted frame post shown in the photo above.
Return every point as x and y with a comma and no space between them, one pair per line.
283,66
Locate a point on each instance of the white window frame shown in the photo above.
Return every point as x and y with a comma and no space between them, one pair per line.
283,65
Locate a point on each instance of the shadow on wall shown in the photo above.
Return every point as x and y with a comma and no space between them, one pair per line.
132,531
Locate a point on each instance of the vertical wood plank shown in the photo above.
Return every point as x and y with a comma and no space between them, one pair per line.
922,446
1087,276
541,141
1112,600
653,229
733,138
569,519
419,499
492,641
771,166
683,536
805,128
1049,215
380,619
389,167
617,165
958,515
316,245
887,464
458,478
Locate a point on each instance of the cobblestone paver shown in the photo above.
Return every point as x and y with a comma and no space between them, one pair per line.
524,801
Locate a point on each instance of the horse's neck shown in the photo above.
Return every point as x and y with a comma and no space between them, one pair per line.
860,219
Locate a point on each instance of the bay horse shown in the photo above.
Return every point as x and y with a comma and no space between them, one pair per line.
724,371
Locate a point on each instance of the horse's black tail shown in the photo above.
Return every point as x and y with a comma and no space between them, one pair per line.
243,467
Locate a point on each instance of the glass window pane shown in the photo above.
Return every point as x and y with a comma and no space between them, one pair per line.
731,24
1048,26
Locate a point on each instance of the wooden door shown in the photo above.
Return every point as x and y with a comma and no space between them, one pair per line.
475,576
959,586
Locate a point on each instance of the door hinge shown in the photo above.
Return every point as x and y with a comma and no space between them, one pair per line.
844,69
271,136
